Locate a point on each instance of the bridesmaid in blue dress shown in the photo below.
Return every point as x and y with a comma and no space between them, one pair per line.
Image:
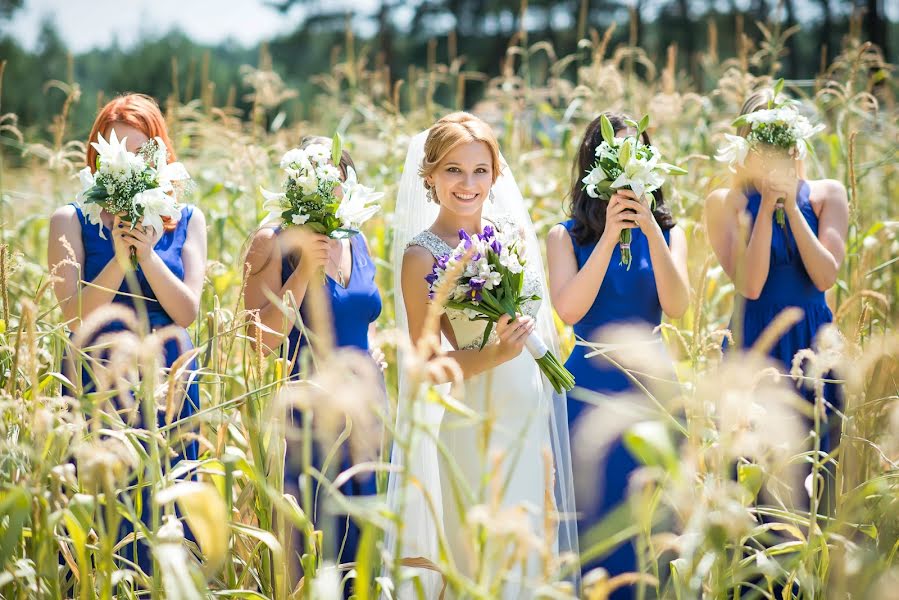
170,272
281,260
789,266
590,288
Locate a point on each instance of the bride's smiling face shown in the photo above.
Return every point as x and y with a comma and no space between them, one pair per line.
462,180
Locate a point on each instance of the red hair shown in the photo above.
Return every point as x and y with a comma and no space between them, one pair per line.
136,110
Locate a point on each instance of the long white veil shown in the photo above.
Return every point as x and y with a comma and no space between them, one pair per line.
422,515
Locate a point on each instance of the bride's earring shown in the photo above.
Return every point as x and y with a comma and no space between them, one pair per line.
491,196
431,196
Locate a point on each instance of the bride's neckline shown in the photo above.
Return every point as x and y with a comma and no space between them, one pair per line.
484,223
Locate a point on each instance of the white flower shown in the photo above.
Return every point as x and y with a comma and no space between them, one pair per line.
511,262
299,219
328,173
318,153
355,206
114,157
156,204
273,204
641,175
734,151
295,156
170,172
594,177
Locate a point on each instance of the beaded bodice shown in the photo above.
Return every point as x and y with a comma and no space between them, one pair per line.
469,333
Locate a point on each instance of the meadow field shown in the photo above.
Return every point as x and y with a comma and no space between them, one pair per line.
70,467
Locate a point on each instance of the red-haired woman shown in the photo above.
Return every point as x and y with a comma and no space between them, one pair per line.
170,263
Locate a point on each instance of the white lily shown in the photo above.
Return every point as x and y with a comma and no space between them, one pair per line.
734,151
170,172
273,204
592,179
356,206
114,156
156,204
641,175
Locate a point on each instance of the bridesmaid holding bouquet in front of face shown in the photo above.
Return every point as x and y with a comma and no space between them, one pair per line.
600,276
292,257
97,251
797,234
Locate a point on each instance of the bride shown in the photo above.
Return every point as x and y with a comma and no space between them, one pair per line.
490,464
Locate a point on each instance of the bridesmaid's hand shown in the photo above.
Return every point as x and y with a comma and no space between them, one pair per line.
513,333
121,245
141,238
618,218
641,215
315,248
783,183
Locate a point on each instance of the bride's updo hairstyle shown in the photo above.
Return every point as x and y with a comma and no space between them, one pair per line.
452,131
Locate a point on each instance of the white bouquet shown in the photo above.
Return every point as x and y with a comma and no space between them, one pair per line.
626,163
778,128
138,187
309,197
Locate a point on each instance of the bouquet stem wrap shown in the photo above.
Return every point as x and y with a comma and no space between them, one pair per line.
560,378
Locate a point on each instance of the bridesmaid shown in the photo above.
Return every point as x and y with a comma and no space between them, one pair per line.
278,263
170,271
782,266
590,288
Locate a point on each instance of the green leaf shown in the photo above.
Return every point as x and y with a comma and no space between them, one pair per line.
15,511
750,476
487,331
644,124
336,148
608,132
778,88
624,154
650,443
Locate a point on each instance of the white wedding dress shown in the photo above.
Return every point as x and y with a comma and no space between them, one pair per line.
502,457
458,469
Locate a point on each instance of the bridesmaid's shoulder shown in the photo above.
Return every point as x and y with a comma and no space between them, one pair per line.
827,192
65,217
558,234
262,245
725,198
66,211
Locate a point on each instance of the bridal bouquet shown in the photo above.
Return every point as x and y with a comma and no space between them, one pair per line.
138,187
780,128
626,163
309,197
491,286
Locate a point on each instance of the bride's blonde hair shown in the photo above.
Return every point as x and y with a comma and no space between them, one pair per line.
454,130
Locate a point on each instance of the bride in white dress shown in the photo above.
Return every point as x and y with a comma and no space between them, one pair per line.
484,489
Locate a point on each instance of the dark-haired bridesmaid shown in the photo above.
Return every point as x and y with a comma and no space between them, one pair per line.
591,288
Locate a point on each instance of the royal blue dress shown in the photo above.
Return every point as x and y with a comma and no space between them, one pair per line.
625,296
98,251
353,309
788,284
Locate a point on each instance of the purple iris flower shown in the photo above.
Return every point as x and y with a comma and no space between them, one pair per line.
477,283
496,246
431,277
488,233
465,238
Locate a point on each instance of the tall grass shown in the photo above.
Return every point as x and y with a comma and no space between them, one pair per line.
701,529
